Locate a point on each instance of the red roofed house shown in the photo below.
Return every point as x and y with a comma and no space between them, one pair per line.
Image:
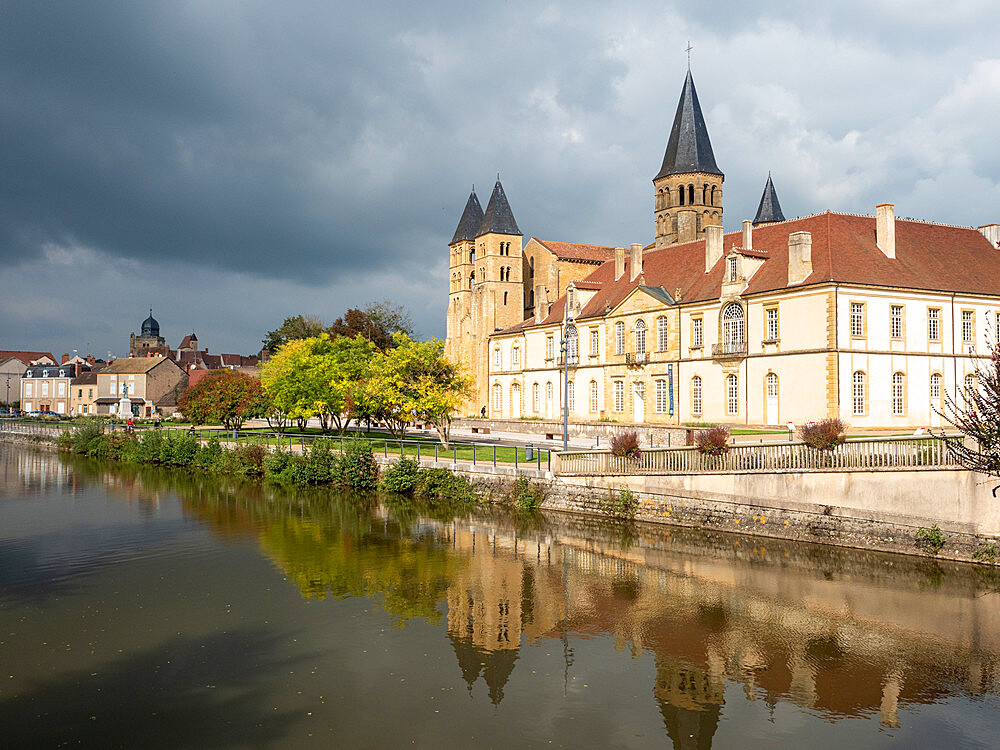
872,319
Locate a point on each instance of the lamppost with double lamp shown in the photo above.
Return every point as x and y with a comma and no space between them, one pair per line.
564,348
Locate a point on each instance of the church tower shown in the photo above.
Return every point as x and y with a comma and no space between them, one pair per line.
769,210
687,191
461,278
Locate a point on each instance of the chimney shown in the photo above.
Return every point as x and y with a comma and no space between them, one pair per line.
541,303
636,261
619,262
747,234
713,246
885,229
65,359
799,257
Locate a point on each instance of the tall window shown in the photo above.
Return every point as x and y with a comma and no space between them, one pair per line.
572,344
732,268
640,337
548,396
570,297
970,386
496,357
595,341
968,327
934,323
771,385
696,395
857,318
550,347
515,398
535,401
935,388
661,396
898,394
515,356
571,396
497,399
732,394
697,332
858,395
28,389
732,328
619,395
45,388
661,334
772,323
619,337
593,396
896,321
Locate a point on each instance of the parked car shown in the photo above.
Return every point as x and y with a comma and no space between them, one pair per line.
34,413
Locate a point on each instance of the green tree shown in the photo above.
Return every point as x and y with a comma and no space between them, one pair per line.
225,397
415,381
295,327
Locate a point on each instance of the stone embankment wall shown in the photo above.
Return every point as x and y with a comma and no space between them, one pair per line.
660,435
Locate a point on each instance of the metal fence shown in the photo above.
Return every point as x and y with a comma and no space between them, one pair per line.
855,454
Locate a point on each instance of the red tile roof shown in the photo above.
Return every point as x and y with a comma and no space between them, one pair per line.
26,357
932,257
575,251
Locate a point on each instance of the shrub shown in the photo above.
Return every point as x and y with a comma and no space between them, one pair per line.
65,439
356,466
824,435
626,445
986,552
620,505
321,464
933,538
441,484
244,461
401,476
525,494
712,442
209,455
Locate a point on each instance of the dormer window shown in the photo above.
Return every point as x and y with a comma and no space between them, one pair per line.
732,267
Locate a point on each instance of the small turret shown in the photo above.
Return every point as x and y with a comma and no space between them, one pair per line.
769,210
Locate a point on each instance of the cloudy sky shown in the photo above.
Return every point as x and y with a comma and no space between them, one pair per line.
232,163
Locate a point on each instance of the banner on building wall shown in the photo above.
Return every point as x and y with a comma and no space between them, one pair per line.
670,388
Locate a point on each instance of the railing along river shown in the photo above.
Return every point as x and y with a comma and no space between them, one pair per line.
854,454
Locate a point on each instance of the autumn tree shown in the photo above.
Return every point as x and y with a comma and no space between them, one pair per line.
356,322
414,381
224,397
390,317
976,413
295,327
318,376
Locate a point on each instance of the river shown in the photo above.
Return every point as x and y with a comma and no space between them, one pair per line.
150,608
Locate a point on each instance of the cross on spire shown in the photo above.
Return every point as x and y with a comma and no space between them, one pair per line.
688,50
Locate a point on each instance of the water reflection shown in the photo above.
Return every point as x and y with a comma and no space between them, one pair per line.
727,621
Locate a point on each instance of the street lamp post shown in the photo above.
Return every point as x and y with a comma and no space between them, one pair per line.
565,349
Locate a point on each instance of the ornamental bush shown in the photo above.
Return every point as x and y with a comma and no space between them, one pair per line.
712,442
356,466
824,435
401,476
626,445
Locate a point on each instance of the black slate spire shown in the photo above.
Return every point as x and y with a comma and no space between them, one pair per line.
472,217
688,148
498,218
769,209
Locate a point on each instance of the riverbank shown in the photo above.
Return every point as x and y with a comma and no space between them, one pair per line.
736,507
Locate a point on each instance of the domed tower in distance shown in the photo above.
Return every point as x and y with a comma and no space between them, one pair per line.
149,338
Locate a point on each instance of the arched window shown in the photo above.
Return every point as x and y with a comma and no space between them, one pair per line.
496,357
771,385
515,356
666,197
858,394
593,396
690,195
535,401
472,279
548,397
505,298
733,329
571,395
704,194
898,394
661,333
696,395
658,204
713,195
640,337
572,344
680,196
531,267
497,400
515,398
472,255
732,394
619,337
935,388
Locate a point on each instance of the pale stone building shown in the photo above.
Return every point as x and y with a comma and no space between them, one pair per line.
46,388
153,385
872,319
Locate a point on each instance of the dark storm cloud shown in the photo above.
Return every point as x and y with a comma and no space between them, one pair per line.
324,151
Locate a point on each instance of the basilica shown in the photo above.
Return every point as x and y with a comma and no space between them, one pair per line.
873,319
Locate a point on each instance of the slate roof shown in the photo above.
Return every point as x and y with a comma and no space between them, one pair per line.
498,219
769,208
931,257
50,371
472,217
576,251
149,326
689,148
